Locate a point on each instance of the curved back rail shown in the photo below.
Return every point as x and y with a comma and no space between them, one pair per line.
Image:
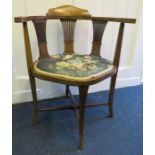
68,24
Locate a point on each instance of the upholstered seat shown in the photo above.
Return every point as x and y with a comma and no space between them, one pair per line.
73,67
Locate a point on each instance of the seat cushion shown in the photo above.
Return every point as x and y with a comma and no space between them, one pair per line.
73,66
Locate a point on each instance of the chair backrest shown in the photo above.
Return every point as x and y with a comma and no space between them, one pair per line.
68,15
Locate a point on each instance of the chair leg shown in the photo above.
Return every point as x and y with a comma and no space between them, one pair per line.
83,90
35,103
111,94
67,90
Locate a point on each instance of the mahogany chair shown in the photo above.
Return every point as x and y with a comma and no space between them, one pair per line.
70,68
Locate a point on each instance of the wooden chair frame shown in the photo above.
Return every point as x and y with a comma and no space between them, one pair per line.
68,23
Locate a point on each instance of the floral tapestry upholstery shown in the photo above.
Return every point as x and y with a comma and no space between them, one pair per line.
73,66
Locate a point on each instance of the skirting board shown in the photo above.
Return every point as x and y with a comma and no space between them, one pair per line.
24,96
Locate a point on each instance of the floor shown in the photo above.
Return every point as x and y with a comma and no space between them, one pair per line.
57,132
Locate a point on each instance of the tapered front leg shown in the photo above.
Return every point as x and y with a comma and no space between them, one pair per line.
35,103
83,90
111,94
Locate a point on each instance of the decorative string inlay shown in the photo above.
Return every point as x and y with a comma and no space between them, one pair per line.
40,27
98,30
68,28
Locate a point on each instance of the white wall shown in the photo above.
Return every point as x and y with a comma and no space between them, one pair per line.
130,71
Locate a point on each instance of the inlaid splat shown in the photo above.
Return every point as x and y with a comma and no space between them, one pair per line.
40,27
68,29
98,30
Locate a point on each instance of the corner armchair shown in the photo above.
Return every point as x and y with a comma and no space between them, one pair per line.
71,68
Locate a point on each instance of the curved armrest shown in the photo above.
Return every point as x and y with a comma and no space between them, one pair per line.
111,19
